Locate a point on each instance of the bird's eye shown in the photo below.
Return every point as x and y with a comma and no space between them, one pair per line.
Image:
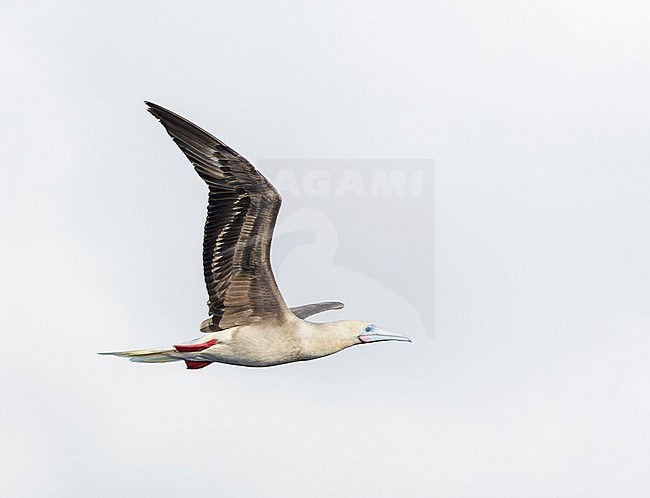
368,328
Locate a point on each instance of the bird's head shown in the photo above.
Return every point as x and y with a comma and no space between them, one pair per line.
331,337
372,333
364,333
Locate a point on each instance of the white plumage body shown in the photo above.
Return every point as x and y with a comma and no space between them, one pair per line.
262,345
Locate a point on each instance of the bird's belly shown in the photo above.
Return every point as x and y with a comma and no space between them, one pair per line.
251,352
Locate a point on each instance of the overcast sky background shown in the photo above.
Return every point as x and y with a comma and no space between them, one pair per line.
536,380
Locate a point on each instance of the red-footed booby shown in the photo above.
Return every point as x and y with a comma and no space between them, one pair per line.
249,323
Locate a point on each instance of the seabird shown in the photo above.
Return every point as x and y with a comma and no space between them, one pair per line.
249,323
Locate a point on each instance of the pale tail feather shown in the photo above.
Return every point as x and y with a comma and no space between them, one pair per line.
148,355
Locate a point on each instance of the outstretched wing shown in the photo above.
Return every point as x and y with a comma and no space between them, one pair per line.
242,209
308,310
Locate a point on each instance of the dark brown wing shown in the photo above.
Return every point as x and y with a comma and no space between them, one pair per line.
242,209
308,310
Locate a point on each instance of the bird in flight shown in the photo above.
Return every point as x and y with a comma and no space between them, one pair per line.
249,322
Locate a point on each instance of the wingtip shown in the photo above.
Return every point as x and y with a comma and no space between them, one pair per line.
165,115
152,108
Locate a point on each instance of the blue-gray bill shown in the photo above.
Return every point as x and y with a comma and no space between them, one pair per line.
376,334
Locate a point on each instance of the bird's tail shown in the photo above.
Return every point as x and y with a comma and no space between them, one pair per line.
148,355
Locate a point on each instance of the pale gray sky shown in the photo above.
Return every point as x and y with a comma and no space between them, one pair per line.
536,380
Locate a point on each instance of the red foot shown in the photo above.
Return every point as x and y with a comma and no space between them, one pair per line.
195,365
192,348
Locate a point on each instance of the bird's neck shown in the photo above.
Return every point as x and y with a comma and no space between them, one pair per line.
322,339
